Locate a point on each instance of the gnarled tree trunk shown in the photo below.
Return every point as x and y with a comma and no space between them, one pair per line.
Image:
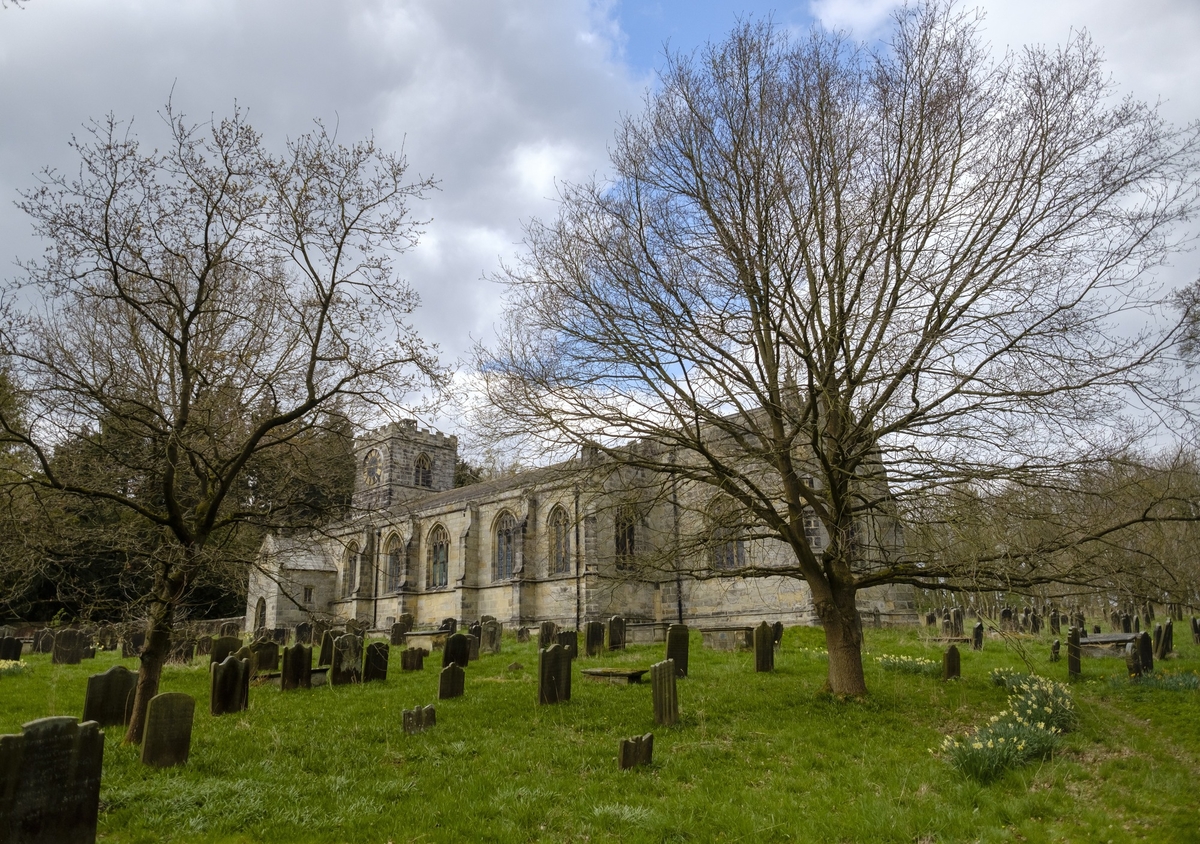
154,654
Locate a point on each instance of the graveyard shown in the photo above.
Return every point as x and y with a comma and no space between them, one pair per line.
525,748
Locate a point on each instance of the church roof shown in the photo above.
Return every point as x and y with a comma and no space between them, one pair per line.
486,490
301,554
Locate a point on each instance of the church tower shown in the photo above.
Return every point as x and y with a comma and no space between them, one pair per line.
401,462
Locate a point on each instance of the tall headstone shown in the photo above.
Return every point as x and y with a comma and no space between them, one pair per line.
399,634
68,647
554,674
376,666
50,782
303,634
1145,651
547,634
616,633
569,639
297,668
457,650
451,681
264,657
1035,623
107,698
412,659
475,630
347,660
10,648
666,701
1126,623
951,663
956,621
326,655
472,647
677,648
1055,624
490,634
1168,638
223,647
1055,650
1157,640
230,685
1074,665
977,636
168,736
636,751
764,648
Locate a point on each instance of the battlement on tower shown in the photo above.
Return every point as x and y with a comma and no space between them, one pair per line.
401,461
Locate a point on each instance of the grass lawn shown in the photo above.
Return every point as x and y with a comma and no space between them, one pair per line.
756,757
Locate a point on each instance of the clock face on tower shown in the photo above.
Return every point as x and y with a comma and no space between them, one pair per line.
372,467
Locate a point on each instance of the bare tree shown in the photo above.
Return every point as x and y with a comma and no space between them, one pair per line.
198,314
886,269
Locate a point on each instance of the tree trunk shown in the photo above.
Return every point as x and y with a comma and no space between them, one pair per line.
153,656
843,641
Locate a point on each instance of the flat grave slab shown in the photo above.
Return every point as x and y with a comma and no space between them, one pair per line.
619,676
430,640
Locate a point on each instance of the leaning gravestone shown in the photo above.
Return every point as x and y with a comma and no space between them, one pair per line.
490,633
50,782
472,647
951,664
764,648
223,647
554,674
297,668
168,736
547,634
398,634
457,650
451,682
418,720
68,648
377,662
230,686
1074,666
264,657
1145,651
666,701
616,633
412,659
107,698
10,648
677,648
593,638
347,660
977,637
569,639
326,655
303,634
636,751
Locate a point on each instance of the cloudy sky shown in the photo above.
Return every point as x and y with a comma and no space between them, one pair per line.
498,99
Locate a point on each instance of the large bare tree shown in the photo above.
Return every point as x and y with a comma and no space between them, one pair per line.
885,268
199,315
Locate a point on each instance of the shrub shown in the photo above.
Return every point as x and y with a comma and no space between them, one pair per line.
909,664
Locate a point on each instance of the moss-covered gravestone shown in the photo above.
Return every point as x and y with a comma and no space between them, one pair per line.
347,660
666,701
547,634
490,633
677,647
230,685
297,668
167,740
569,639
412,659
106,700
977,636
451,682
222,647
264,657
418,720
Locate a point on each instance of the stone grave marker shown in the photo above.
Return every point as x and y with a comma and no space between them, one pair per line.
326,655
230,685
223,647
356,627
547,634
50,782
245,653
777,631
43,641
1157,640
418,720
554,674
10,648
491,632
1006,620
168,736
107,637
377,662
522,635
1055,650
677,647
303,634
977,636
1195,630
1074,667
1137,624
951,664
472,647
68,647
764,648
636,751
930,619
457,650
297,668
231,629
347,660
1035,624
106,700
412,659
666,702
1126,623
1168,638
264,657
569,639
475,630
449,625
616,633
1133,660
593,638
451,681
279,636
406,621
398,634
1145,651
1055,624
956,621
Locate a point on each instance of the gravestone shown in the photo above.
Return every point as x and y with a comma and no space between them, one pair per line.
1195,630
244,653
1006,620
1145,651
547,634
451,681
303,634
636,751
777,631
677,647
319,628
418,720
107,637
616,633
930,619
297,668
472,647
1096,629
168,736
68,647
1055,625
947,624
554,675
951,664
457,650
484,619
223,647
1157,640
50,782
522,635
666,702
764,648
279,636
956,621
43,641
1137,624
1126,623
347,660
230,685
326,655
1055,650
1074,667
412,659
1035,624
593,638
449,625
377,662
357,628
475,630
264,657
406,620
399,632
10,648
231,630
977,637
490,635
106,700
1168,638
569,639
1133,660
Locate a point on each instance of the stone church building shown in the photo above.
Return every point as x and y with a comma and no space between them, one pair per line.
555,544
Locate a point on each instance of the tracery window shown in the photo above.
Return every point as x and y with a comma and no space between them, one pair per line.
560,541
350,570
394,554
423,472
506,547
438,570
625,541
725,536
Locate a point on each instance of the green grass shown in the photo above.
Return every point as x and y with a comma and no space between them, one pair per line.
756,757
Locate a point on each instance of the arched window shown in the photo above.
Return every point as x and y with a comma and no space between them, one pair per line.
350,570
260,615
438,571
394,553
560,541
506,547
423,472
625,542
725,536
